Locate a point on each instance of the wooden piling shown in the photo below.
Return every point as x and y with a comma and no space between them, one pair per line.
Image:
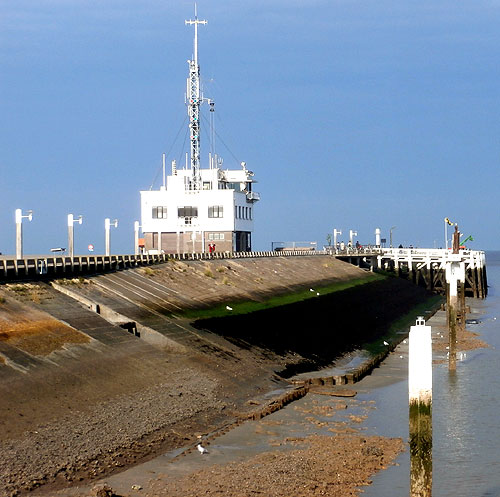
453,277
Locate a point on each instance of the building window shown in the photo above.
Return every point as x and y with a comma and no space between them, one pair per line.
160,212
234,186
216,211
187,211
215,237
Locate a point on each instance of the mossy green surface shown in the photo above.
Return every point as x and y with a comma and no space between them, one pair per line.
430,305
248,306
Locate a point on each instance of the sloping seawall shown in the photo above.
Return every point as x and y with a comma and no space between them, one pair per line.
97,373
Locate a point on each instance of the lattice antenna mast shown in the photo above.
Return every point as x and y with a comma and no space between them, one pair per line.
194,99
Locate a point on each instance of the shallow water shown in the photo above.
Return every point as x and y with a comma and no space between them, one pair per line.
466,412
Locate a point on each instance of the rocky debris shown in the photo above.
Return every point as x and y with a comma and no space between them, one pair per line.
102,490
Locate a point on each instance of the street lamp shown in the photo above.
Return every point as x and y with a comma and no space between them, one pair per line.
19,230
351,234
107,225
71,222
390,235
335,233
136,237
447,223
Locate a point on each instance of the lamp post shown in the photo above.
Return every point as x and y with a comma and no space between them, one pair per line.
19,230
390,235
351,234
136,237
107,225
335,233
71,239
447,223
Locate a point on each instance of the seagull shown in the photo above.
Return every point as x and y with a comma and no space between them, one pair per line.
311,289
317,293
229,308
385,343
201,449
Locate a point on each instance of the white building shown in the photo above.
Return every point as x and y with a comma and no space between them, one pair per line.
197,207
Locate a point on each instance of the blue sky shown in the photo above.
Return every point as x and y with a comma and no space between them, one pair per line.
352,114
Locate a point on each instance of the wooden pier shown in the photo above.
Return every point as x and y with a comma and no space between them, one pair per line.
424,267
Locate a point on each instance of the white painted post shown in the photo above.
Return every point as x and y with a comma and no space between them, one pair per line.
336,232
19,234
70,235
71,239
136,237
107,225
420,408
352,233
19,231
377,237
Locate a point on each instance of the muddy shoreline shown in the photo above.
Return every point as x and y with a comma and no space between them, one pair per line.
125,402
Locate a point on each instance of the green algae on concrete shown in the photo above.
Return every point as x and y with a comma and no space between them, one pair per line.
430,305
247,306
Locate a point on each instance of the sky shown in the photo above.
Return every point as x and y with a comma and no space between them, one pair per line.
353,114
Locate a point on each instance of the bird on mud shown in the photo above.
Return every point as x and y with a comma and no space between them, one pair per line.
200,447
229,308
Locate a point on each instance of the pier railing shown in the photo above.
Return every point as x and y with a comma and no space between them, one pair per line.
424,267
41,266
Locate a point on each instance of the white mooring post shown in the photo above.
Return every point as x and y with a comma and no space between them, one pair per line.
420,409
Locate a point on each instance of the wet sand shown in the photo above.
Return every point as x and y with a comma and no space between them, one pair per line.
315,446
87,411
